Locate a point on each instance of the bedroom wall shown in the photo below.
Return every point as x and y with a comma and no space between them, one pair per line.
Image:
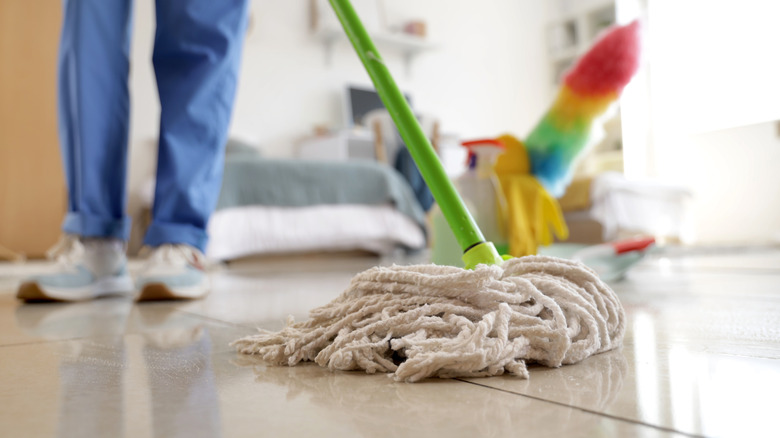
732,174
488,76
709,104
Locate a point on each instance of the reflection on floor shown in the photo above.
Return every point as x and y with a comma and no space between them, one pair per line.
701,358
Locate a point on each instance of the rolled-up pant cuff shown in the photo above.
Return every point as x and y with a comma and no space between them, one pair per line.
162,233
93,226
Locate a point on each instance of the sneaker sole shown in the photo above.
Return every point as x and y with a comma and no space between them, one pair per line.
31,291
161,292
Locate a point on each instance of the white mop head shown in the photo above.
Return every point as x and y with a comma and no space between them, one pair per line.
441,321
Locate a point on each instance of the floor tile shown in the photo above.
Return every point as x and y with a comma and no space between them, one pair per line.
701,357
22,323
714,312
264,292
701,353
675,388
140,385
721,259
267,300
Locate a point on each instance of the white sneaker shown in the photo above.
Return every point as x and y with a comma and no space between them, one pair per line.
88,268
173,272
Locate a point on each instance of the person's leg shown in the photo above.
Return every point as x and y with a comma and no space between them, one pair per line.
197,51
93,107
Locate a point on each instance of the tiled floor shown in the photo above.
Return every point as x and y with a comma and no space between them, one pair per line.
701,358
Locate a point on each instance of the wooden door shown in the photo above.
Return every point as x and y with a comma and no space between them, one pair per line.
32,187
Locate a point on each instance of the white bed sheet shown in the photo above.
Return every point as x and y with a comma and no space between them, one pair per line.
242,231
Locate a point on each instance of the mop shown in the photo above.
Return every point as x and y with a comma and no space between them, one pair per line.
416,322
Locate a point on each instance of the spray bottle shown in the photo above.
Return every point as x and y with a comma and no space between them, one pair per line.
481,191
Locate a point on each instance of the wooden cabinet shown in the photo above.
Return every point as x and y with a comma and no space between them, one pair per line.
32,187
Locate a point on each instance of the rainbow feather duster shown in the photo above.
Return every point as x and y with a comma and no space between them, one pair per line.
588,90
535,172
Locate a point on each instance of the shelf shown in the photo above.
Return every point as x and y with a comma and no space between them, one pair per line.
567,54
600,19
408,45
572,36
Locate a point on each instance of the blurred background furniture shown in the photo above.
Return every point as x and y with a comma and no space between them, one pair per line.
275,206
32,187
607,207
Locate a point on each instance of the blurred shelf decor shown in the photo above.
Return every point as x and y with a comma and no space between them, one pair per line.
571,37
408,39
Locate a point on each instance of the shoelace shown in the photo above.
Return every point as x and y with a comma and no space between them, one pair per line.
67,251
177,254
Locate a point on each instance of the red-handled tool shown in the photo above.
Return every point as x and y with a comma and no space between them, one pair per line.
615,248
612,260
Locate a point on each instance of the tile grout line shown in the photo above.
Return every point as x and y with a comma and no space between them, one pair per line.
712,269
718,353
746,356
602,414
212,319
88,338
48,341
78,338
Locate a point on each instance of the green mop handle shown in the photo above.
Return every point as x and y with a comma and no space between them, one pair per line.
475,249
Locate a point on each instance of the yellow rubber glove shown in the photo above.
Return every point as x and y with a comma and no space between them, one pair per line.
533,214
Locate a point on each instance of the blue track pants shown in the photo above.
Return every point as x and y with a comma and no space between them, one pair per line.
197,50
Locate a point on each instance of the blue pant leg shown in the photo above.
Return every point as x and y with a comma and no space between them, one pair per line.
197,51
93,110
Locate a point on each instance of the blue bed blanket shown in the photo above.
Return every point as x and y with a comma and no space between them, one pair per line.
254,180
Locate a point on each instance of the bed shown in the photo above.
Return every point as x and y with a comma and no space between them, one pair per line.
272,206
